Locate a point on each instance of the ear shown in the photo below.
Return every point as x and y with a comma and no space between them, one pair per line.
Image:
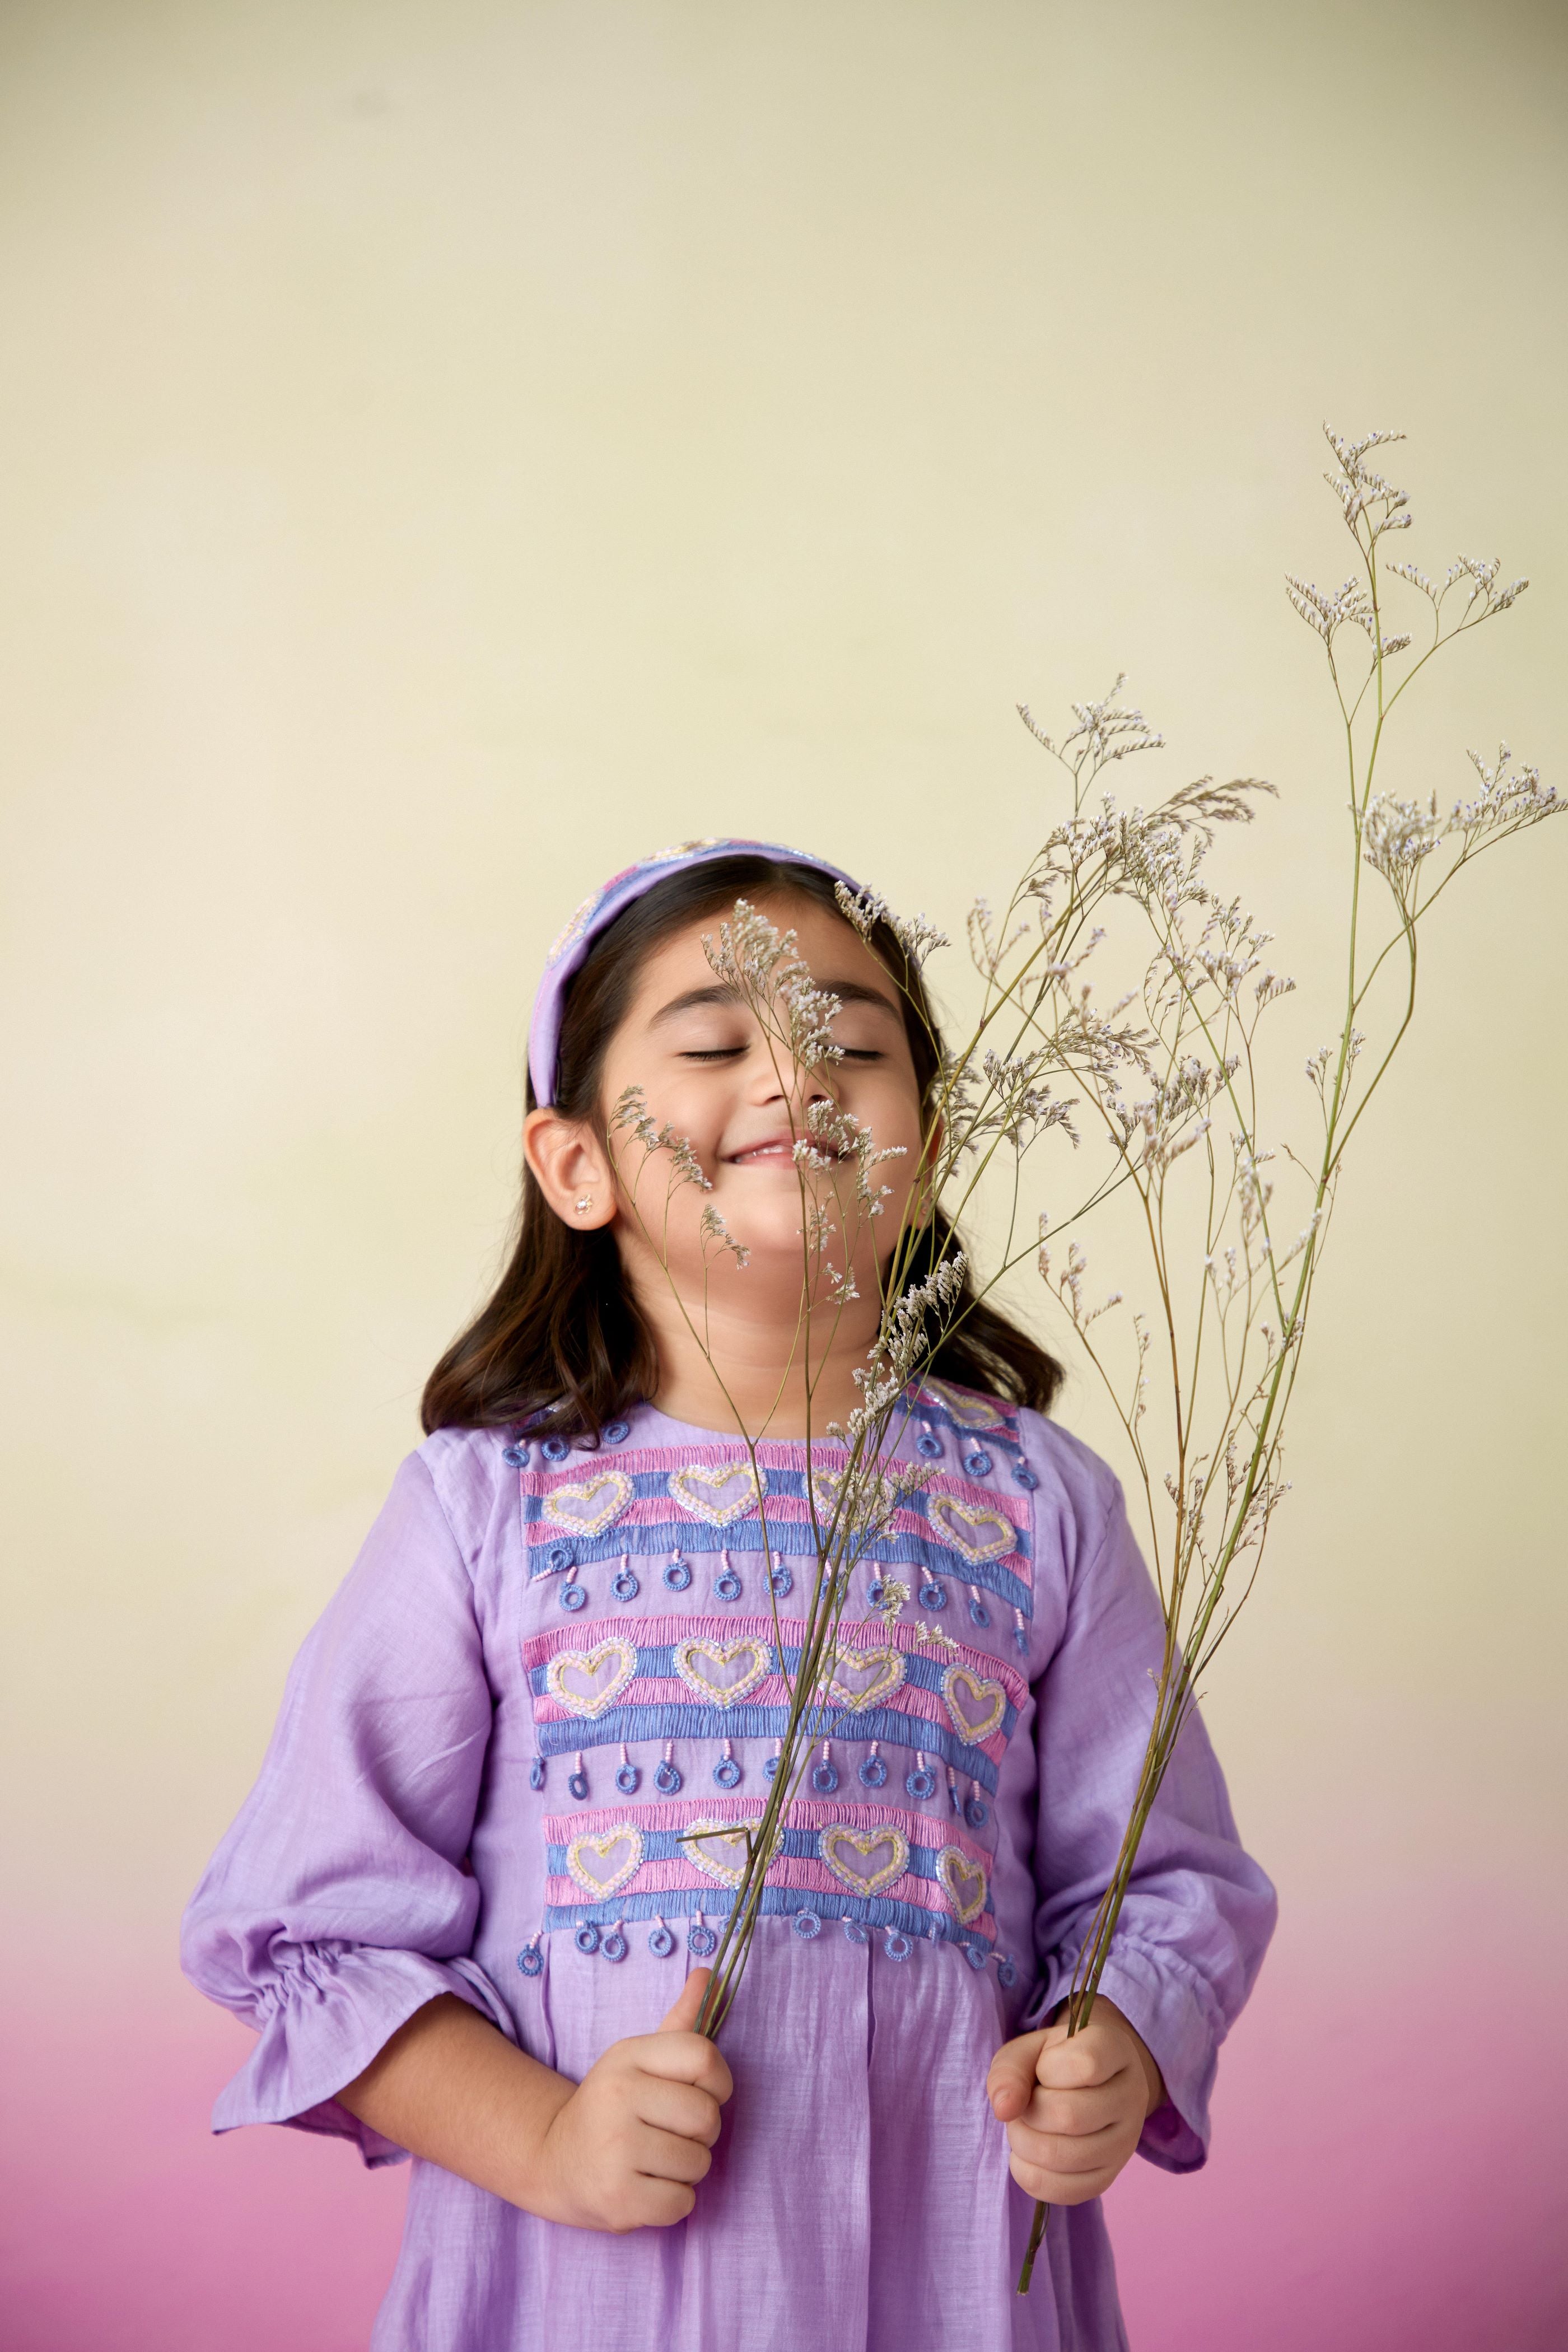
571,1166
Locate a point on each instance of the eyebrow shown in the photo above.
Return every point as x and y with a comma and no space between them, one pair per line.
848,991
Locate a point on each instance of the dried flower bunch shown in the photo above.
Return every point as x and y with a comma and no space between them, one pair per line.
1160,1077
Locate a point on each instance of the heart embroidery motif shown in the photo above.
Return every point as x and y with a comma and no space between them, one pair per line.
963,1882
722,1672
974,1533
719,1848
864,1860
963,1411
976,1706
718,1491
863,1678
587,1682
590,1506
602,1861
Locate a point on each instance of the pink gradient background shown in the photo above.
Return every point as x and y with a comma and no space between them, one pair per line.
1428,2226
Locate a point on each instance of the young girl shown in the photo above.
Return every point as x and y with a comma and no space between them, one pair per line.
467,1902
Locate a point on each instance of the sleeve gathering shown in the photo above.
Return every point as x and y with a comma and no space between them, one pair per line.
1198,1912
340,1902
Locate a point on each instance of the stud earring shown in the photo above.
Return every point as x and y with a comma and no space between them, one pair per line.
585,1203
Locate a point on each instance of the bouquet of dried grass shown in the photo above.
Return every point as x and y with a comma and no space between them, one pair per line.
1121,1019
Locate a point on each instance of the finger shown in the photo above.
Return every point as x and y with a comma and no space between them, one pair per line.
1076,2113
667,2156
682,2058
657,2205
679,2107
1085,2060
1053,2152
1010,2084
682,2018
1060,2187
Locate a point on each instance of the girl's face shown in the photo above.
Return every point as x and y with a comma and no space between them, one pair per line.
709,1068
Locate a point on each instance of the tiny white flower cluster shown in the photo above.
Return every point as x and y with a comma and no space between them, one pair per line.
863,909
631,1116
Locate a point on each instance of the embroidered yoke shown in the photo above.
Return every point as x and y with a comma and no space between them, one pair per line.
519,1760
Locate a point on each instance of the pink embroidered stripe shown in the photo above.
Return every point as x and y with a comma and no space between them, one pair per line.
862,1827
866,1635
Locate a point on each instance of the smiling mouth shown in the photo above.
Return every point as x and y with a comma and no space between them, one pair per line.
781,1150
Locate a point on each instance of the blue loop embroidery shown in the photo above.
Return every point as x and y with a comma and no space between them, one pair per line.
825,1778
625,1586
1006,1974
978,1464
578,1784
559,1556
929,1445
515,1456
677,1576
588,1938
628,1779
1025,1476
781,1579
922,1782
897,1947
807,1925
873,1774
536,1772
978,1612
728,1585
531,1959
1020,1641
702,1940
555,1449
727,1773
933,1594
875,1591
975,1955
976,1814
573,1597
770,1768
613,1946
855,1931
660,1942
666,1777
614,1432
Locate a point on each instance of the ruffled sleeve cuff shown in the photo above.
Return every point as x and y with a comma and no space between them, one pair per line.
1169,2006
322,2019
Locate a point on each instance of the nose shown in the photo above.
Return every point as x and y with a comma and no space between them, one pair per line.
779,1080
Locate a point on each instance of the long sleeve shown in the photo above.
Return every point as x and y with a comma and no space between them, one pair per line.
1198,1912
338,1903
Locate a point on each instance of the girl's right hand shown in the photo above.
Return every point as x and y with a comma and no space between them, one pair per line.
625,2150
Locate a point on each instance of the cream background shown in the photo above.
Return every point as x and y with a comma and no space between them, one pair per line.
451,451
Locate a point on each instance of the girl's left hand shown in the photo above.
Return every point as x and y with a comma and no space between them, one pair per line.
1074,2109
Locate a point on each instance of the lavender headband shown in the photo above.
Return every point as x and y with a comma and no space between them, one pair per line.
597,913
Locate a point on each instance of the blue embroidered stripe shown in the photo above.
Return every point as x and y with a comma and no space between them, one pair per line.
653,1485
875,1910
632,1724
792,1540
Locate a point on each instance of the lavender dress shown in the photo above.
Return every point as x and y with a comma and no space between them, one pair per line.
547,1669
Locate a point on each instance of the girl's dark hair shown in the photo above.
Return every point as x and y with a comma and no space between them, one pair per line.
561,1332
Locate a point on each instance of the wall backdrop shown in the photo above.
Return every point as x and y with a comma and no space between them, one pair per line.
451,449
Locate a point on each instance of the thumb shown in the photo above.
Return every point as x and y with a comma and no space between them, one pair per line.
682,2018
1010,2084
